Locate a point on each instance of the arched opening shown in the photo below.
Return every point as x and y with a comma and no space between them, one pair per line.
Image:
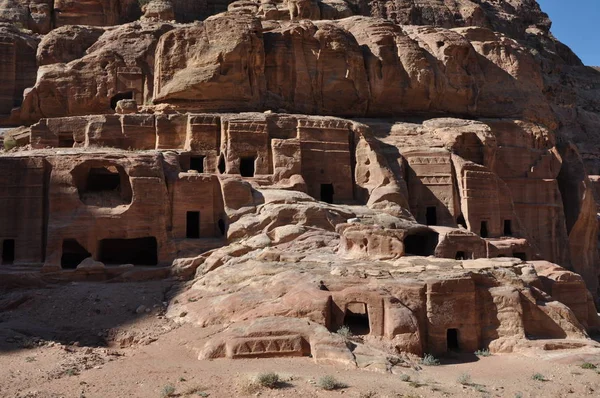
431,215
197,163
8,251
120,96
507,228
138,251
483,232
221,226
357,318
247,166
461,221
327,193
452,340
460,255
421,243
72,254
192,225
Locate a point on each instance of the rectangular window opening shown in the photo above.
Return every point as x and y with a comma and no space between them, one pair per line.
192,226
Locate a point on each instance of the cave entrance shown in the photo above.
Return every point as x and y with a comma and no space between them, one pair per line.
247,166
327,193
72,254
197,163
452,340
431,215
520,255
66,140
103,179
461,221
138,251
507,228
8,251
221,226
120,96
192,225
421,243
483,232
463,255
221,165
357,318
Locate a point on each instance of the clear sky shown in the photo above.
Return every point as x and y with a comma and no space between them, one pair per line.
577,24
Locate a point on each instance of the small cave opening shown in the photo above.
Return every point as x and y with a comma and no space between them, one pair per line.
461,221
197,163
431,215
103,186
66,140
507,228
520,255
192,225
137,251
118,97
452,340
463,255
483,231
221,226
247,166
357,318
221,165
421,243
72,254
8,251
327,193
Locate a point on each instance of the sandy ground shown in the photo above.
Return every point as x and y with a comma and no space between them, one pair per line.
95,340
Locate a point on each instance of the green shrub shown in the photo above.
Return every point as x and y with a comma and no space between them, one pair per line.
430,360
269,380
588,365
9,143
464,379
405,377
330,383
483,353
538,377
345,332
167,391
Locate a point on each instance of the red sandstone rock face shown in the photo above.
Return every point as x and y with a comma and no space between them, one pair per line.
292,221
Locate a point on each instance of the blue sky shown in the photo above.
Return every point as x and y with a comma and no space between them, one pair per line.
576,23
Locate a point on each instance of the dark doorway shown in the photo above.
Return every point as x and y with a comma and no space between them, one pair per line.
452,340
103,179
507,228
192,225
520,255
197,163
484,230
431,215
357,318
422,243
66,140
8,251
327,193
72,254
461,221
221,165
118,97
247,166
221,225
460,256
139,251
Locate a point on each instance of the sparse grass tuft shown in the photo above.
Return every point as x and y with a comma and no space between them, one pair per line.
430,360
464,379
268,380
588,365
345,332
519,395
405,377
30,359
538,377
330,383
167,391
71,372
483,353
